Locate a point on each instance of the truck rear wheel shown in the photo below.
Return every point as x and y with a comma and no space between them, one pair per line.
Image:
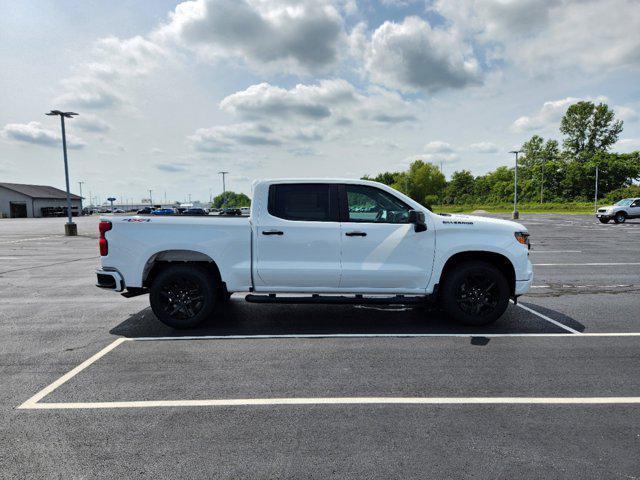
475,293
183,296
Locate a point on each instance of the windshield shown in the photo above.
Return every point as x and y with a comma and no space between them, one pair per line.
624,202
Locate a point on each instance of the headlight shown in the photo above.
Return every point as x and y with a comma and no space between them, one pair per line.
523,238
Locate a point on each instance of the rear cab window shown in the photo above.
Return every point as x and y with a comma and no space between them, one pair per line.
310,202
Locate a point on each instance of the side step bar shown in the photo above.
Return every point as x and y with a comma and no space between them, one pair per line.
339,300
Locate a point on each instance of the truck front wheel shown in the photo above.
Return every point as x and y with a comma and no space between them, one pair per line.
475,293
183,296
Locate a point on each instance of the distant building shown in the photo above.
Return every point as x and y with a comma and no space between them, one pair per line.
22,201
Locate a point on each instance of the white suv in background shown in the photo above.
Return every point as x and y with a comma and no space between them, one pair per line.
620,211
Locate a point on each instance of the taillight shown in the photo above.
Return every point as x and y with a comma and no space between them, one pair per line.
104,245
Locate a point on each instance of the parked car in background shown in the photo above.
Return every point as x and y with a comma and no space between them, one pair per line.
118,210
164,211
620,211
145,211
231,211
245,210
194,211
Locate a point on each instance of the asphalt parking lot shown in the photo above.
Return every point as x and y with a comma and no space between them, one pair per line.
552,390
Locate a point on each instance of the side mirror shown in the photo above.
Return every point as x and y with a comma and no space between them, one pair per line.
417,218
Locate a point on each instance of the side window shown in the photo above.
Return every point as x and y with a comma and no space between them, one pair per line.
636,203
372,205
302,202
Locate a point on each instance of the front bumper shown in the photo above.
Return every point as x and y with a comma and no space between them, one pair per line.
524,284
604,215
110,279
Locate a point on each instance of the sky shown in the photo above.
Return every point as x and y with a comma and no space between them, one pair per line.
171,93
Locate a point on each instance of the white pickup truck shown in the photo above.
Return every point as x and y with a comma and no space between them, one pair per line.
333,241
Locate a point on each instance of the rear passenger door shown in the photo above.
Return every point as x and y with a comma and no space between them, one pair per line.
298,239
634,209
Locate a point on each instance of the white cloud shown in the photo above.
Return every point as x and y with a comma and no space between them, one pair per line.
483,147
549,35
438,146
335,99
412,56
224,138
295,35
627,114
629,144
99,83
173,167
35,133
91,123
550,114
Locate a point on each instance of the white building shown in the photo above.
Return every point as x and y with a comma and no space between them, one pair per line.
22,201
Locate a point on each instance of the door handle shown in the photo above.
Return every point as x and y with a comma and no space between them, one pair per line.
356,234
272,232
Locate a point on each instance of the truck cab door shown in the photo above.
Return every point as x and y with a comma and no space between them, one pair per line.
297,241
381,250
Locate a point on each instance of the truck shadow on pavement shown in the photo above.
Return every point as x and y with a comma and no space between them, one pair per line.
241,318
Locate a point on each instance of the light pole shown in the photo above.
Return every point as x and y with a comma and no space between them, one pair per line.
80,185
224,189
150,198
516,214
70,228
595,200
542,182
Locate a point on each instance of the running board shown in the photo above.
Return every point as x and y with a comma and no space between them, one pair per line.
339,300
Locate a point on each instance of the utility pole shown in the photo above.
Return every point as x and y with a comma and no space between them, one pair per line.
595,200
150,197
224,189
516,214
80,185
542,182
70,228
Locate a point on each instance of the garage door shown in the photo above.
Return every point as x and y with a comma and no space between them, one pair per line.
18,209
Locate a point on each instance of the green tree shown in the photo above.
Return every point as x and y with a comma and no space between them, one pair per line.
231,200
589,128
423,182
460,188
388,178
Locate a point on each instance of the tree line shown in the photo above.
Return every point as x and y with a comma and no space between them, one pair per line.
547,171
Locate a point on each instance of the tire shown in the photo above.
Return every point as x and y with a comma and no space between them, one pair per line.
620,217
604,220
183,296
487,286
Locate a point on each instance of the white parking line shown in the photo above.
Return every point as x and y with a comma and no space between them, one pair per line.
33,403
556,251
582,264
551,320
70,374
584,286
245,402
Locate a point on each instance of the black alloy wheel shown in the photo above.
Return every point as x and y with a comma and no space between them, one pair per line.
181,298
183,295
475,293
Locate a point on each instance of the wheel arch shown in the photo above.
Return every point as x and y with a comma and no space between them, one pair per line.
163,259
501,262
